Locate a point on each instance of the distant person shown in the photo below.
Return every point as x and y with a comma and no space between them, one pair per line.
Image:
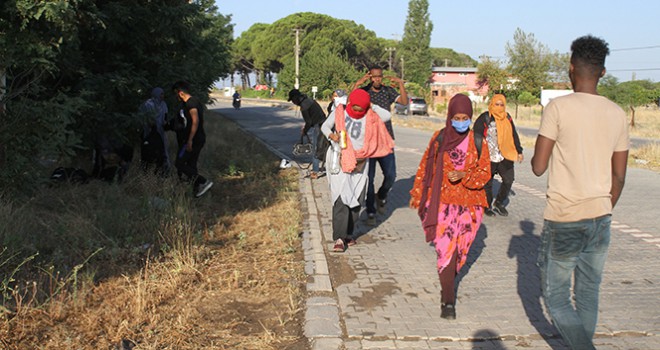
112,158
272,92
583,141
449,196
154,138
338,97
191,139
313,116
496,125
383,96
236,100
365,136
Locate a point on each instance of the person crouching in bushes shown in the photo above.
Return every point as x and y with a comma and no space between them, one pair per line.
365,137
448,193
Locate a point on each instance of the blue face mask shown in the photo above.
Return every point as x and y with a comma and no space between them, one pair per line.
461,127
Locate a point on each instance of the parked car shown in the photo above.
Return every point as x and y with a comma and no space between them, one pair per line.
416,105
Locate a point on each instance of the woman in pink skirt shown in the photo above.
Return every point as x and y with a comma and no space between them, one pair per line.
448,193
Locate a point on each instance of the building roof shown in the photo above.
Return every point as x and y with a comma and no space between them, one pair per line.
454,69
448,84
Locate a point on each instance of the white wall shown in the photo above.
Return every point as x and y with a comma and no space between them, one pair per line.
548,95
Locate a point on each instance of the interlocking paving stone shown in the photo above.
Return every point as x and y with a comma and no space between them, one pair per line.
498,299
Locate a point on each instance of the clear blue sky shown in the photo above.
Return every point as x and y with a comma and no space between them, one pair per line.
632,27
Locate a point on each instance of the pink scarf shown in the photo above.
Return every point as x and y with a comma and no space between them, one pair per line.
377,140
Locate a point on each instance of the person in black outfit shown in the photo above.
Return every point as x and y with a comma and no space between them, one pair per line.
314,117
191,138
498,129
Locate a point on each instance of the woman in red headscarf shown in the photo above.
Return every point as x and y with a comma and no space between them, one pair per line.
365,137
448,193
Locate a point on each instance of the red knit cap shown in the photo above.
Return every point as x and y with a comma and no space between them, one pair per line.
359,98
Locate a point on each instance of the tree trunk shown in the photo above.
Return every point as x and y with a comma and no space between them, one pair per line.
516,115
632,119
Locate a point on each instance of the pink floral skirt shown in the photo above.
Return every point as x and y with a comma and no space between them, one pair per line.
456,230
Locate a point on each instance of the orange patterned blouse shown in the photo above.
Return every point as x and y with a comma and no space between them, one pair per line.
470,190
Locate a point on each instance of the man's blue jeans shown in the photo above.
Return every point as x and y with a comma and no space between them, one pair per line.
388,166
316,131
574,250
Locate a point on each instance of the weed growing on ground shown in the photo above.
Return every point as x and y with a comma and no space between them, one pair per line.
144,263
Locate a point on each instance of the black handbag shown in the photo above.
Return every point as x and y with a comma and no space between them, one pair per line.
302,148
322,145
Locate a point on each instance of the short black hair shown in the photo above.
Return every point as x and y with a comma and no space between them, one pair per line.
375,66
181,85
589,52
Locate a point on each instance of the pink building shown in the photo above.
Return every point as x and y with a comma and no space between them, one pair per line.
446,82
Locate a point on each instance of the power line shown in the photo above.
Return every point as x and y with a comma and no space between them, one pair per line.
637,48
630,70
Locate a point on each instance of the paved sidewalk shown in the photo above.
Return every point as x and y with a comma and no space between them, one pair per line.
388,290
384,293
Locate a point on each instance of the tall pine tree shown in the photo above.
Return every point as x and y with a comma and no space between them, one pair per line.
415,45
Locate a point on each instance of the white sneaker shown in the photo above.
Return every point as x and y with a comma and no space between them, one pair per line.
203,188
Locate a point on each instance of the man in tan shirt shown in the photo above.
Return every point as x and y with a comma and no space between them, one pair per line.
583,143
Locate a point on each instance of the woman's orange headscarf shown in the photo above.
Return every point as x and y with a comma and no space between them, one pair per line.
504,129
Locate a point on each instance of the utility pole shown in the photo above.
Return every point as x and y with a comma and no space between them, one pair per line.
402,76
297,53
3,90
390,50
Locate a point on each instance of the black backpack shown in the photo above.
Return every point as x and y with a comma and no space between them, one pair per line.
322,145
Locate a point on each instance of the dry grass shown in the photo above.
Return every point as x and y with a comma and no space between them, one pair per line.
647,120
221,272
647,157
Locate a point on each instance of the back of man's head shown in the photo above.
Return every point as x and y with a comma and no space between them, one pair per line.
588,54
181,85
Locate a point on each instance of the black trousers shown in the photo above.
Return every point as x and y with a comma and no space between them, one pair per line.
344,219
506,172
186,163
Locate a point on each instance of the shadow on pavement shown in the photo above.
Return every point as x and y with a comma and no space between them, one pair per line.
525,249
491,340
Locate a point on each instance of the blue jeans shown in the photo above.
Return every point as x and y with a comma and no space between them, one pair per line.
388,166
574,250
316,130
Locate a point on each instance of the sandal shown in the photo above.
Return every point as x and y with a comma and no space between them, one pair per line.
339,246
351,242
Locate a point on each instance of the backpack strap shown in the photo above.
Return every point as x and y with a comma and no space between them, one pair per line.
478,142
439,138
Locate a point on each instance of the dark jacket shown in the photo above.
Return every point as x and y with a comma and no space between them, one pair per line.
483,121
312,113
